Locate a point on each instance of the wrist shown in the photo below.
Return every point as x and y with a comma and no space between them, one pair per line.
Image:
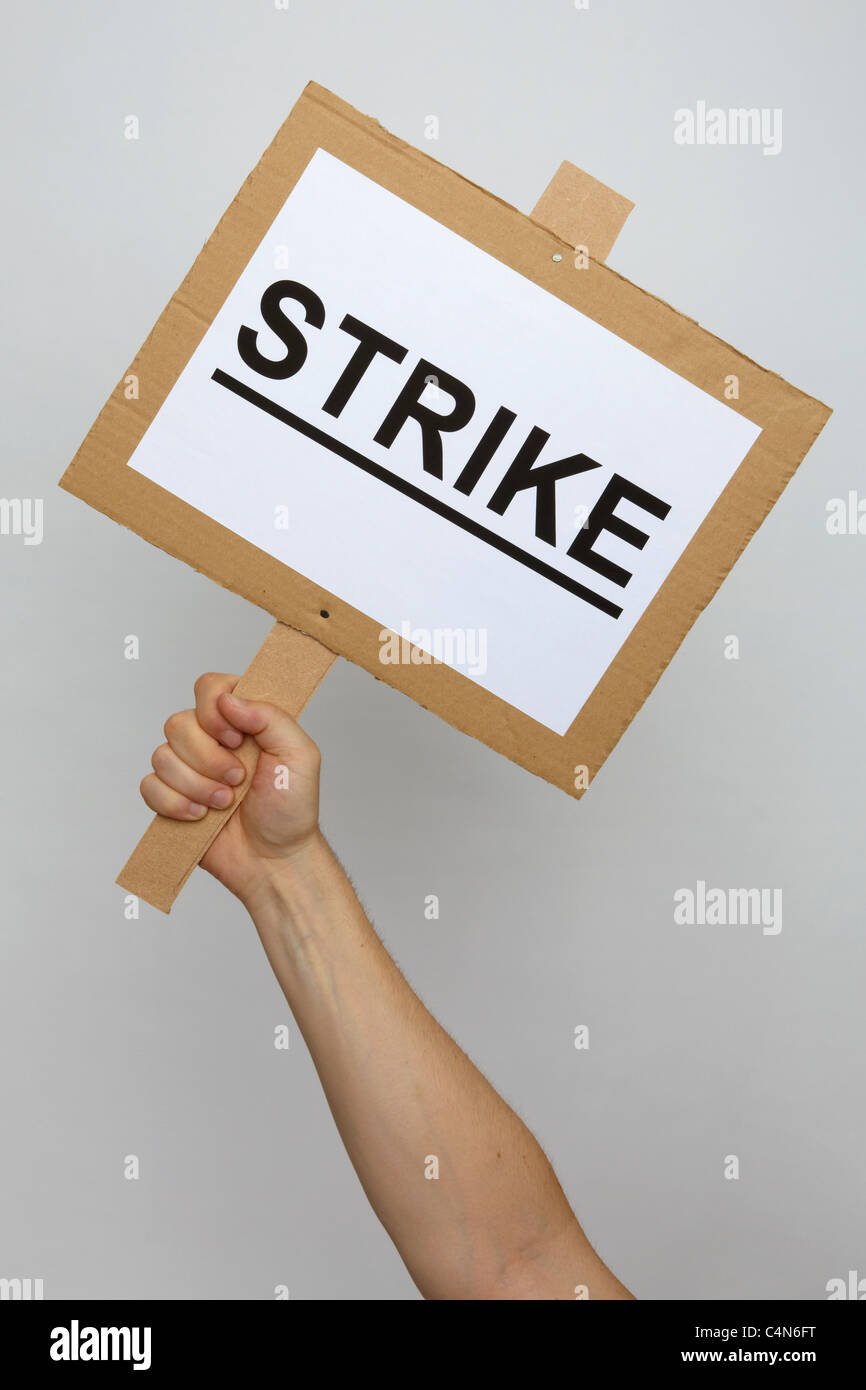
277,882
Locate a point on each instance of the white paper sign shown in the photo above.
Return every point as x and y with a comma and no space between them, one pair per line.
440,443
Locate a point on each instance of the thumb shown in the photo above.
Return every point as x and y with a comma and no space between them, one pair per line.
276,732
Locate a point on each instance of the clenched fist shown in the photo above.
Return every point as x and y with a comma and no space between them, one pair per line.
195,769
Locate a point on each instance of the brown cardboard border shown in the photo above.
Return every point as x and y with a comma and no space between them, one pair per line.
790,422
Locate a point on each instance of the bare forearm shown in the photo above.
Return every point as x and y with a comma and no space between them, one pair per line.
459,1183
408,1102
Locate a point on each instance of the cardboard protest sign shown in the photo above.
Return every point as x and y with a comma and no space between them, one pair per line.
415,426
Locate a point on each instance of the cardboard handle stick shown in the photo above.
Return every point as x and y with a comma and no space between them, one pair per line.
290,665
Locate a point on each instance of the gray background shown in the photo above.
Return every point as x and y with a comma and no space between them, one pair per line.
155,1037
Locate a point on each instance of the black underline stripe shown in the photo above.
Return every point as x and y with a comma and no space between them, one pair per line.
417,494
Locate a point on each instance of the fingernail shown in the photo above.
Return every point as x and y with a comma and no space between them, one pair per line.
236,700
230,738
234,776
196,809
221,797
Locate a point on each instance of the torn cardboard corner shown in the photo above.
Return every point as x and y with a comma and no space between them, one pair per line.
400,519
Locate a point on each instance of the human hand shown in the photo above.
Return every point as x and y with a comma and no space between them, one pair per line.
196,769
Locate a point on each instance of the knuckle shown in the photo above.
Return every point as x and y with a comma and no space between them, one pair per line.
158,757
173,724
210,681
